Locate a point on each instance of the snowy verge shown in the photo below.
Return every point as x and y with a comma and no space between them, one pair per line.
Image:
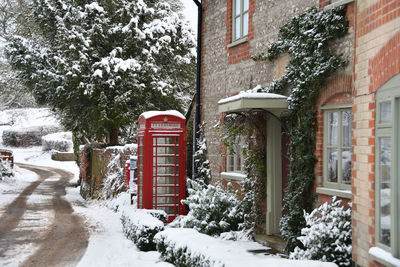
187,247
141,226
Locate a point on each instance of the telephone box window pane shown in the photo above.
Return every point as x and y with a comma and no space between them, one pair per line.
237,28
238,7
165,190
165,200
245,24
166,170
346,128
385,158
332,165
346,166
166,150
333,124
169,210
163,180
385,112
167,160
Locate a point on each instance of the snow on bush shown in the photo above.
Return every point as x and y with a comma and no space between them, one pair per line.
213,210
61,141
118,202
187,247
141,226
114,181
30,136
327,236
5,170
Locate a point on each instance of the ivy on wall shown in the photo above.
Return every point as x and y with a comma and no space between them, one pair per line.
307,39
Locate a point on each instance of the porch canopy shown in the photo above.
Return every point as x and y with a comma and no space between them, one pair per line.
274,103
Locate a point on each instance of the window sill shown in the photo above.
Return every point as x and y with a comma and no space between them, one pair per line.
233,176
384,257
338,3
238,42
334,192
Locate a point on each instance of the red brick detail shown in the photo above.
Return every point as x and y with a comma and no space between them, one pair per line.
376,15
240,52
386,63
323,3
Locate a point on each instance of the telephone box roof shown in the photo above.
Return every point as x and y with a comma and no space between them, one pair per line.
154,113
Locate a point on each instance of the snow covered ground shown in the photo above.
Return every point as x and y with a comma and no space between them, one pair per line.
107,243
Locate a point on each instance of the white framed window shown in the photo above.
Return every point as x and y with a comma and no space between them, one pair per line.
387,162
337,148
240,19
234,161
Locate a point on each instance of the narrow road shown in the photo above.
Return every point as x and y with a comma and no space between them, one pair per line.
40,223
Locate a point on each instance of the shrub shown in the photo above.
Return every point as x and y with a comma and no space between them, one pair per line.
58,141
141,226
327,236
213,210
5,170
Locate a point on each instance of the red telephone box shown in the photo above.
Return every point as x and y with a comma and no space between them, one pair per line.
161,176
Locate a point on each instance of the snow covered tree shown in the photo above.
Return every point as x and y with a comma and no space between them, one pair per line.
100,64
327,236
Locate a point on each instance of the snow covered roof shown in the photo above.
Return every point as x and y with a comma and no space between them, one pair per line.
251,96
274,103
153,113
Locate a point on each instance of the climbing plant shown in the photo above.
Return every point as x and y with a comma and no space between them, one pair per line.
307,39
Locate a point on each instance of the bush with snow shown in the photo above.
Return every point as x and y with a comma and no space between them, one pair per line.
115,181
61,141
213,210
29,136
5,170
327,236
141,226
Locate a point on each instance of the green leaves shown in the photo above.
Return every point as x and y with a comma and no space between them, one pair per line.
101,64
306,38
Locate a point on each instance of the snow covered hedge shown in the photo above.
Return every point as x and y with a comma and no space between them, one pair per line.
61,141
213,210
187,247
30,136
5,170
141,226
327,236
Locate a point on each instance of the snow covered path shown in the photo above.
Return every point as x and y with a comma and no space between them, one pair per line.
39,228
45,222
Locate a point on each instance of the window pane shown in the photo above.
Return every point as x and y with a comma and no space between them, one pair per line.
237,28
245,5
346,166
245,24
230,163
332,165
333,128
385,112
385,155
346,128
237,5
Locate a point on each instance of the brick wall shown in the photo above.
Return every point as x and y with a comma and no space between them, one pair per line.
376,61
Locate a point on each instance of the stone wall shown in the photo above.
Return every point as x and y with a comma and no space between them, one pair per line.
228,70
93,162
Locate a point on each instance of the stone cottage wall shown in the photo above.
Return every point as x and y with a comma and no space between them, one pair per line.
228,70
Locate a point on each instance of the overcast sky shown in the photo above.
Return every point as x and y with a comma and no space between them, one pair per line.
190,12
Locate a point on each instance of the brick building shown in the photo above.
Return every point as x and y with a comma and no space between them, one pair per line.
358,138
